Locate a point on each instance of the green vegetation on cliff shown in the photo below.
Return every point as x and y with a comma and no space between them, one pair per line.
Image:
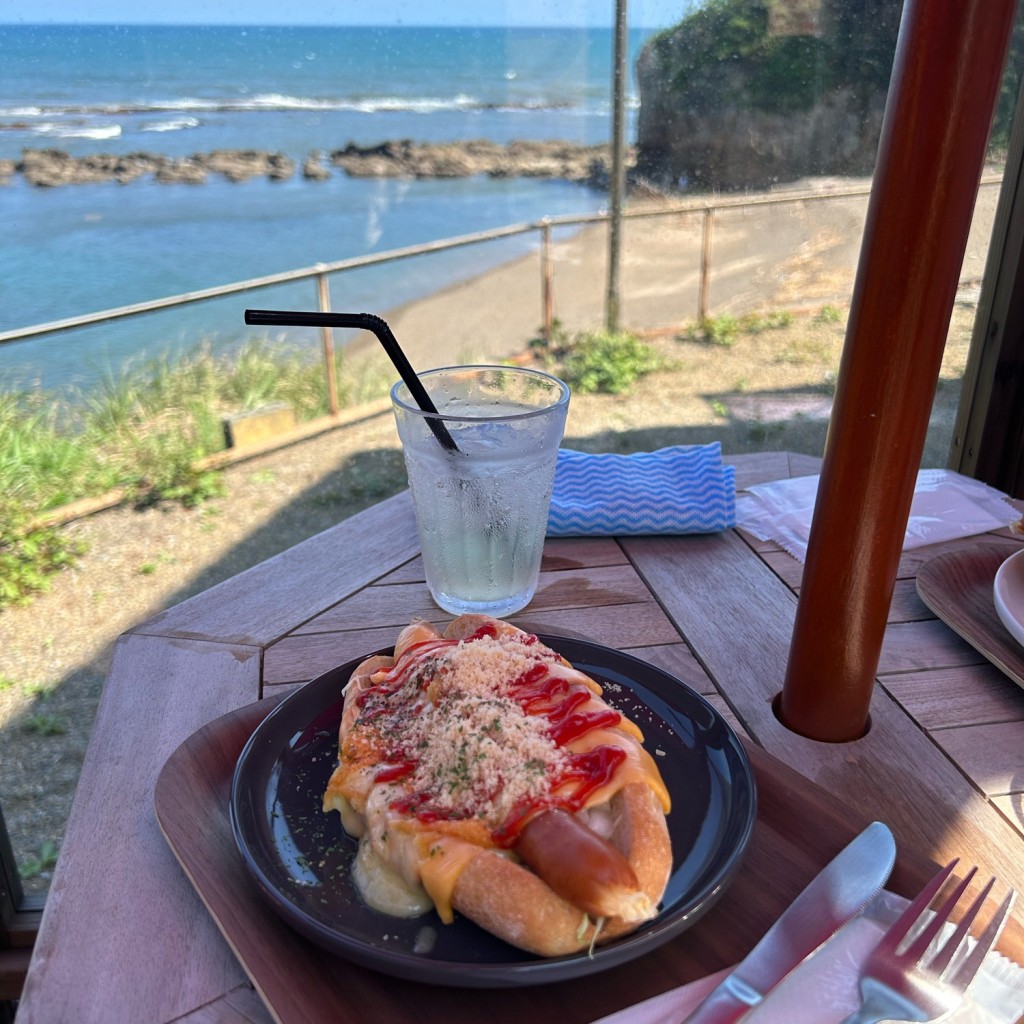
742,51
784,56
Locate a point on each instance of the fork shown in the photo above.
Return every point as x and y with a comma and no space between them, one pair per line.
908,981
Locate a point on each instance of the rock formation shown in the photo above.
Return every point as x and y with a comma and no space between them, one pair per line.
397,158
406,159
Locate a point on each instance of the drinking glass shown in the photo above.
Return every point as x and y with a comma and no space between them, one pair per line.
482,509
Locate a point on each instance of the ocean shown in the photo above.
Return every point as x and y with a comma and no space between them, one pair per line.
176,91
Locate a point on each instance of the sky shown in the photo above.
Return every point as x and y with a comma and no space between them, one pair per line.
510,13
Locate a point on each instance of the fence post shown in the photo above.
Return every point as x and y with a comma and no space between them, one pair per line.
324,301
705,263
547,281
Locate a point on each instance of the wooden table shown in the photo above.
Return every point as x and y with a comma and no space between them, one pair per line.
125,937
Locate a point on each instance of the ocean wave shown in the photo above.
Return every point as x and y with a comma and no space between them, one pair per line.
176,124
283,102
23,111
77,131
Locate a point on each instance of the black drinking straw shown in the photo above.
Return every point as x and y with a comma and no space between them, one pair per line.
366,322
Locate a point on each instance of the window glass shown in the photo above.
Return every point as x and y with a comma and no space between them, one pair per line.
142,162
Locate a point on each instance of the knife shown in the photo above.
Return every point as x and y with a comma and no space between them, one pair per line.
840,892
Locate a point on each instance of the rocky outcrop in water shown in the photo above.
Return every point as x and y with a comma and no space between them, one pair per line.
54,167
406,159
50,168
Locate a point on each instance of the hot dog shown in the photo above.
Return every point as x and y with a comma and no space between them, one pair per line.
484,775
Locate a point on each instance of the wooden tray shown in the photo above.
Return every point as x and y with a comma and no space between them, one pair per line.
799,829
957,587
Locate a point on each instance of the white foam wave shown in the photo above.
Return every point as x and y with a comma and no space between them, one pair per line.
282,101
176,124
77,131
363,105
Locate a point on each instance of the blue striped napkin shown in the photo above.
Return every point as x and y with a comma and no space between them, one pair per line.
682,489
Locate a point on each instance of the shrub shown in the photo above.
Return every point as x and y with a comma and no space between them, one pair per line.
606,363
719,330
828,315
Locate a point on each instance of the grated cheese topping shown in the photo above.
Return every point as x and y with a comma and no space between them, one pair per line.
481,756
477,753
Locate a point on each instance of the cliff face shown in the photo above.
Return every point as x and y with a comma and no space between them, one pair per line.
749,93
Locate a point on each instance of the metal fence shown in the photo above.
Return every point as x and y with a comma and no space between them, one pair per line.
320,273
705,208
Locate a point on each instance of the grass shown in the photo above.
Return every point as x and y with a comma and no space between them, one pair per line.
44,860
147,430
144,431
44,724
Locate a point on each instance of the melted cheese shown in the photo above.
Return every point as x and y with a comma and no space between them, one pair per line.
639,766
443,860
386,890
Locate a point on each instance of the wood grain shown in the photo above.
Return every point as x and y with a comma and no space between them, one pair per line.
737,616
1012,807
240,1006
118,907
303,656
911,646
948,698
957,586
990,754
395,604
907,605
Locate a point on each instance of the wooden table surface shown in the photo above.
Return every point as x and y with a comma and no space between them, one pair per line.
126,937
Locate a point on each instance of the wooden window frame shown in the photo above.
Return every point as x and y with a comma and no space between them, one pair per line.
988,435
19,922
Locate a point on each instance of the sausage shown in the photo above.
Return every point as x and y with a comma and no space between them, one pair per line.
583,867
513,902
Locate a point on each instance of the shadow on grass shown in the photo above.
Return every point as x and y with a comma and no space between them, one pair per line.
42,747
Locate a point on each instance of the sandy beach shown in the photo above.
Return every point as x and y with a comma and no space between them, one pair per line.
799,253
769,390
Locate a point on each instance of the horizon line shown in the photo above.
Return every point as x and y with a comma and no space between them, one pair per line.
240,24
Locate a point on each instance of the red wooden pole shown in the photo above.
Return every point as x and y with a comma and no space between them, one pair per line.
945,81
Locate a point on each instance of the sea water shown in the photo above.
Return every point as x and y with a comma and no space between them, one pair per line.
179,90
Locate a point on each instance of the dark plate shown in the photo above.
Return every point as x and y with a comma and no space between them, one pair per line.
300,856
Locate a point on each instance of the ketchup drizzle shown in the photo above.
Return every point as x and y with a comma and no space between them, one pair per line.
538,692
394,772
591,770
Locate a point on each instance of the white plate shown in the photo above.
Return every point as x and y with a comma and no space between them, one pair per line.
1008,593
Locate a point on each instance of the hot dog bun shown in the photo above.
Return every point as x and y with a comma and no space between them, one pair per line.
483,774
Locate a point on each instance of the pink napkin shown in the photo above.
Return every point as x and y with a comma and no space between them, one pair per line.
824,989
945,505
